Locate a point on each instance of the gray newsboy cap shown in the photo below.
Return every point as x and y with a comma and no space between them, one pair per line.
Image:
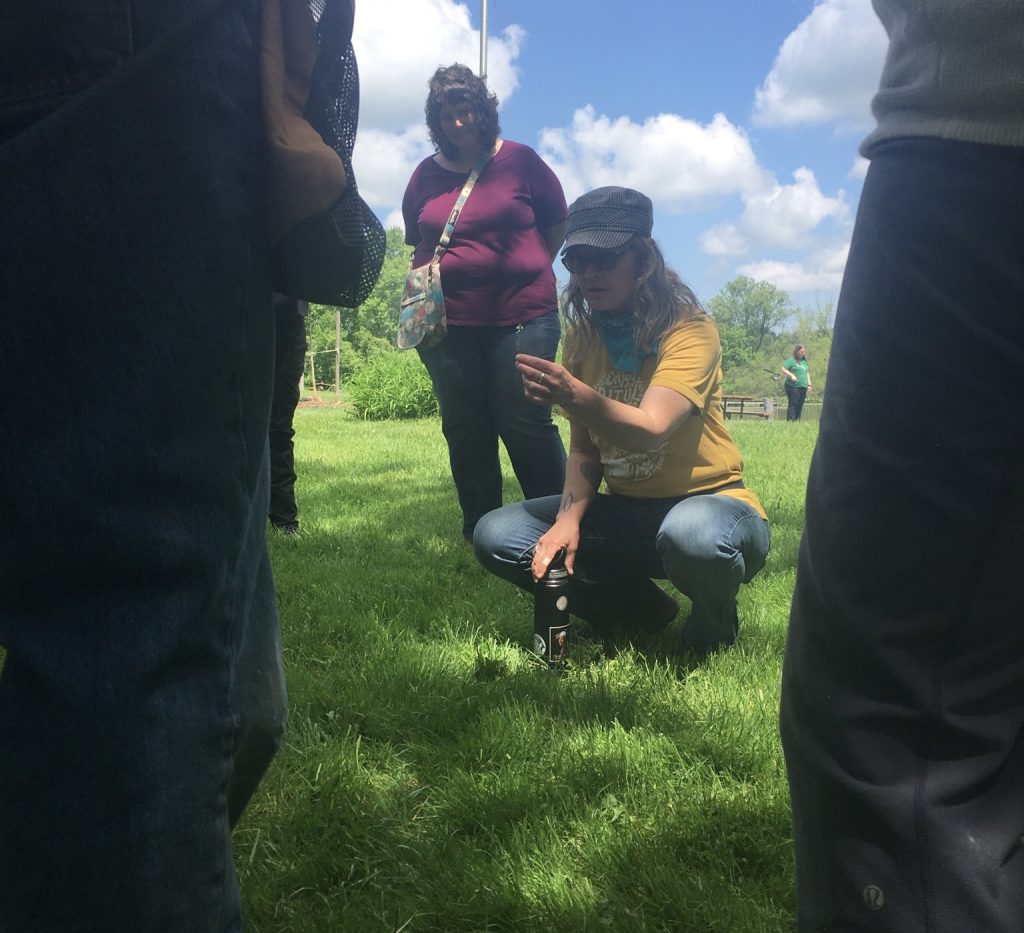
607,218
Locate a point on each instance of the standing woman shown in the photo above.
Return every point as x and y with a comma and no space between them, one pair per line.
642,390
798,381
499,292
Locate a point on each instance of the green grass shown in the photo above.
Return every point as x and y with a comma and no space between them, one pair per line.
436,779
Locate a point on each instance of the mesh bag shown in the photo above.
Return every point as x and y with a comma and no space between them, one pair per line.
333,257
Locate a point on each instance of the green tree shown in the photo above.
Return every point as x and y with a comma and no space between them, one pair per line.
749,312
366,331
736,352
824,318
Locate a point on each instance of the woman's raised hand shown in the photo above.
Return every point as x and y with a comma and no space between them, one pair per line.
543,380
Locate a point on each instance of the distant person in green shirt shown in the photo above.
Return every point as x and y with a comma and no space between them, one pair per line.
798,381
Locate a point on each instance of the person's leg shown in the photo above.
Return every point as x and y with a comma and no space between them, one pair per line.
530,436
709,546
504,539
612,587
801,397
289,364
457,370
902,708
136,601
791,398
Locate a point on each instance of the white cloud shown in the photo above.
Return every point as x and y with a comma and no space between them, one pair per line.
384,161
680,164
724,239
779,216
393,218
827,69
821,270
785,214
395,63
685,166
859,169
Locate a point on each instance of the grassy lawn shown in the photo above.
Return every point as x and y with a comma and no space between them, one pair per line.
435,779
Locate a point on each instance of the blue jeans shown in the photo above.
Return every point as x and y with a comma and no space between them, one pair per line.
480,394
142,693
795,396
707,545
903,682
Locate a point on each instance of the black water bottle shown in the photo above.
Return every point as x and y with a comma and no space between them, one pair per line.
551,613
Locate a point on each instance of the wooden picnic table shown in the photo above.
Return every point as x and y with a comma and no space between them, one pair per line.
747,406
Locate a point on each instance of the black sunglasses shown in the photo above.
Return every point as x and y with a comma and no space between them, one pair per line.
603,260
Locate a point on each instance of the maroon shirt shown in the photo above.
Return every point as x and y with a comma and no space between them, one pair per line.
497,270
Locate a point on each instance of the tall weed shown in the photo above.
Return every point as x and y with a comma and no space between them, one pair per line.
391,386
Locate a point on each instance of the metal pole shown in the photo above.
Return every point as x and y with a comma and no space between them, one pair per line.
337,356
483,40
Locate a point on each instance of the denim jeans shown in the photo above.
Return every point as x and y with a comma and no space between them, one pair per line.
903,682
142,693
480,393
707,545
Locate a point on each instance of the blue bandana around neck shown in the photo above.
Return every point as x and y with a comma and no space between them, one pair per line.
617,335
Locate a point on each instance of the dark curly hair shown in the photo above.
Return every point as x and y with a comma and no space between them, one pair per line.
457,86
660,300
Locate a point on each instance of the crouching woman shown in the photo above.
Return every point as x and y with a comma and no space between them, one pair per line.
642,390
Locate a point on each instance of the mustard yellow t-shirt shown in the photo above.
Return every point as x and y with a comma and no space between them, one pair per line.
700,455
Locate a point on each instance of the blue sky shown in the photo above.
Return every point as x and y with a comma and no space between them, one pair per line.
739,118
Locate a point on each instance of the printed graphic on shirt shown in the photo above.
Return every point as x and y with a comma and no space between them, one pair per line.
631,466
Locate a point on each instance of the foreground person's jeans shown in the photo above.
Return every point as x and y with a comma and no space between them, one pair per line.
142,695
480,394
903,684
706,545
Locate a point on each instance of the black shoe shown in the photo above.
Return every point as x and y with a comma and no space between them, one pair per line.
286,528
645,622
710,630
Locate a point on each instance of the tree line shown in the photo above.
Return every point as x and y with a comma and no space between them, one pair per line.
758,323
759,327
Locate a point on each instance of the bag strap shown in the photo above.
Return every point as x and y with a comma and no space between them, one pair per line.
449,228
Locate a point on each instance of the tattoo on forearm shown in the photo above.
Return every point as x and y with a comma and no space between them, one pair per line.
567,500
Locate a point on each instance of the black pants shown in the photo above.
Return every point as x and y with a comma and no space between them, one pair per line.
796,396
903,683
289,364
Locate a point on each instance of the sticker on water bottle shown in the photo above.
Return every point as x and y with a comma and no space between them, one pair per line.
539,648
559,641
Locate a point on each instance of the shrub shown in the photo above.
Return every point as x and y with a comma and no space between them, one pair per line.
392,385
